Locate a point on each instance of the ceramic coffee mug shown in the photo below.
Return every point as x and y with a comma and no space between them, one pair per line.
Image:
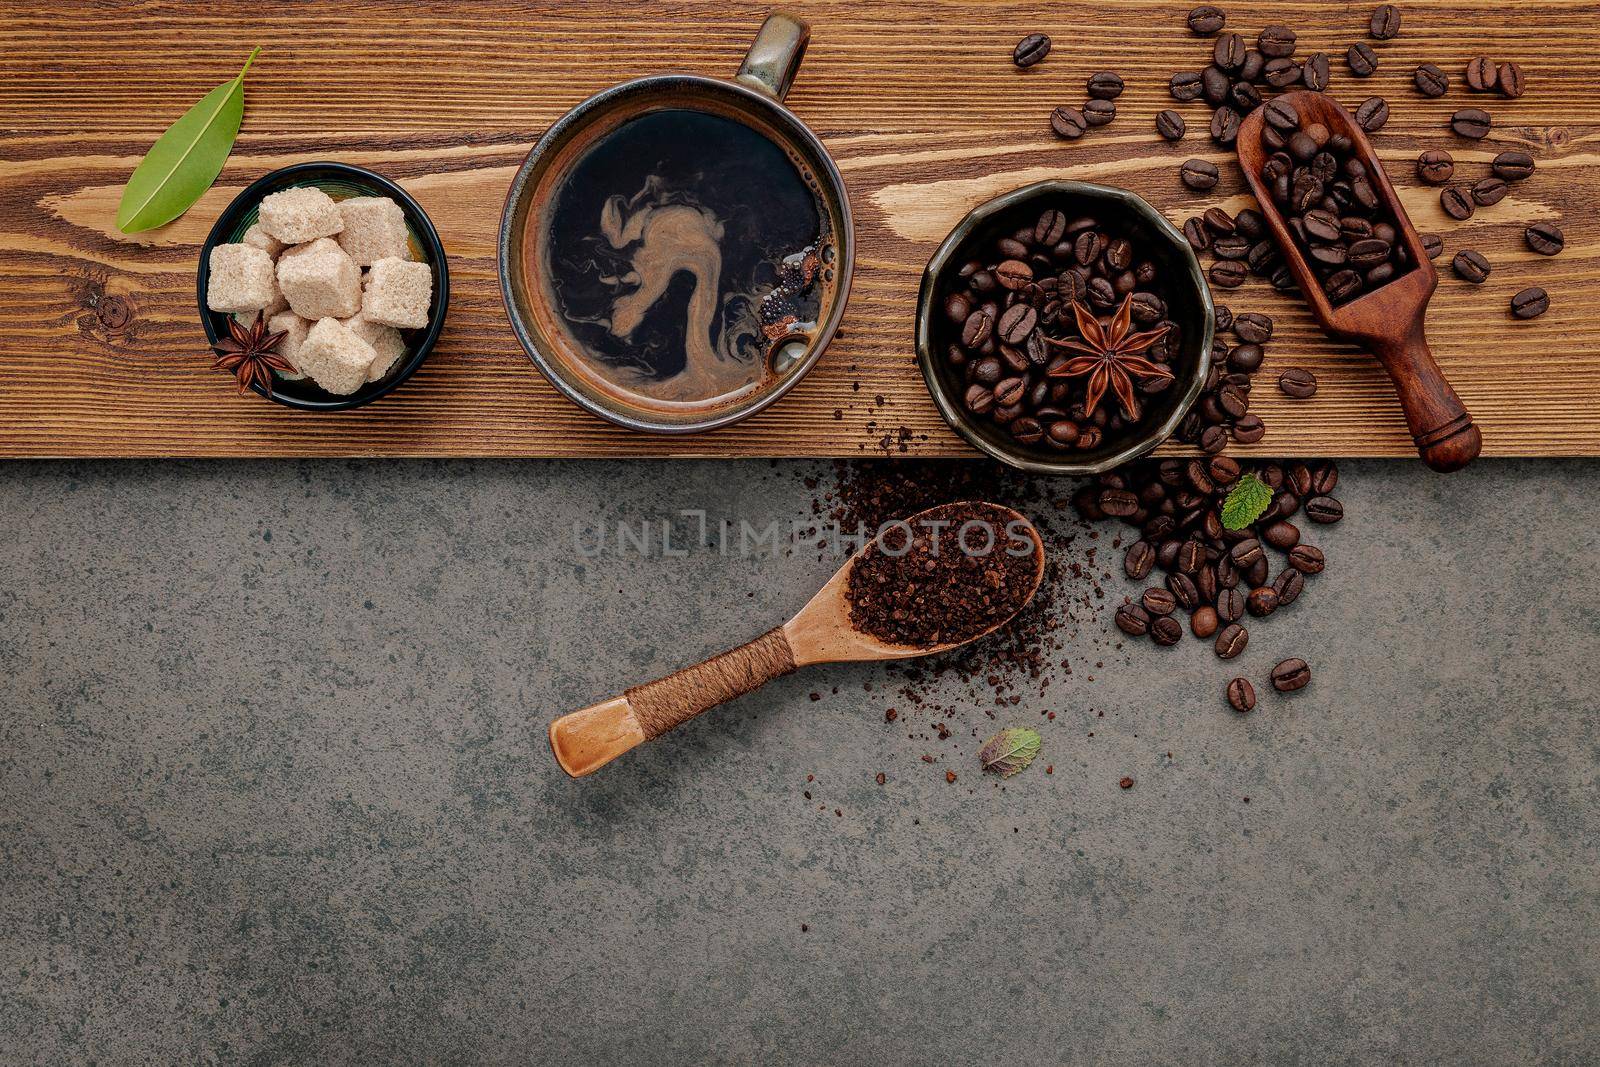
676,251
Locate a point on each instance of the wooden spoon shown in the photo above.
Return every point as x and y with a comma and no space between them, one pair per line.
587,740
1389,321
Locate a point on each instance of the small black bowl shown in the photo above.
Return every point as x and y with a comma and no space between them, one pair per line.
1190,307
340,181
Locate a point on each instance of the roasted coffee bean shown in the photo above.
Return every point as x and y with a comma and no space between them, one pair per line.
1432,245
1282,115
1385,22
1261,601
1068,123
978,328
1139,560
1373,114
1051,228
1252,68
1307,559
1288,585
1185,86
1133,620
1276,41
1314,72
1097,112
1017,323
1184,589
1246,358
1232,401
1324,509
1435,166
1321,225
1482,74
1159,601
1224,470
1170,125
1206,20
1244,96
978,399
1431,81
1013,274
1489,191
1530,303
986,371
1282,535
1280,73
1545,238
1324,479
1511,81
1245,553
1471,122
1030,50
1470,266
1228,52
1290,675
1191,555
1213,439
957,306
1253,328
1224,125
1203,622
1241,695
1249,429
1063,433
1228,273
1456,204
1361,59
1231,246
1166,631
1513,166
1027,430
1118,503
1298,383
1214,85
1195,232
1105,85
1231,640
1230,604
1218,221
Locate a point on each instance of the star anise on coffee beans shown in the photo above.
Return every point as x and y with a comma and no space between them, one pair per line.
1110,357
247,351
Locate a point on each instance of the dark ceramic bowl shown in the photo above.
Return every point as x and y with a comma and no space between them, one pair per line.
340,181
1189,306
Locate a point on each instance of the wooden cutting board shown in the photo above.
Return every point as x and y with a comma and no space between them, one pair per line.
101,351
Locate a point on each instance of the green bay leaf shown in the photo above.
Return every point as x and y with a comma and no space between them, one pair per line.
185,160
1246,501
1009,751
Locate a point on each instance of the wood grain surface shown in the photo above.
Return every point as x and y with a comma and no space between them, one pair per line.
101,350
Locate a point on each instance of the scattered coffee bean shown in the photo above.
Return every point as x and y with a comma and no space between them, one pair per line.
1231,640
1482,74
1513,166
1068,123
1373,114
1307,559
1432,245
1195,232
1435,166
1133,620
1170,125
1206,20
1489,191
1166,630
1289,584
1385,22
1098,112
1030,50
1545,238
1276,41
1456,204
1241,695
1185,87
1431,81
1253,328
1199,174
1314,72
1471,122
1159,601
1324,509
1228,52
1290,675
1229,273
1298,383
1512,84
1105,85
1361,59
1530,303
1470,266
1203,622
1224,125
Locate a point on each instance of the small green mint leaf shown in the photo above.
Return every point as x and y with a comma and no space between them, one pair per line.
1245,503
1009,751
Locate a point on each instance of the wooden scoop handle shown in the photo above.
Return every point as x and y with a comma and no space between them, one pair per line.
1445,435
587,740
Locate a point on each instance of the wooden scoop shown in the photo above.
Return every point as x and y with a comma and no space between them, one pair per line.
587,740
1389,320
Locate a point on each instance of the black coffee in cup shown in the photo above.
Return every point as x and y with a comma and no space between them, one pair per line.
686,255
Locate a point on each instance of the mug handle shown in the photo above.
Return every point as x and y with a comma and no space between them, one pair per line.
775,55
